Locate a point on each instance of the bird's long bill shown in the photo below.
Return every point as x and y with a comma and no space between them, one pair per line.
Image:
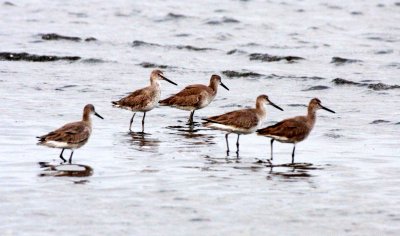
274,105
96,114
168,80
327,109
223,85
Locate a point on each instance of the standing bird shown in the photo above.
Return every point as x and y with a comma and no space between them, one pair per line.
72,135
195,97
244,121
145,99
295,129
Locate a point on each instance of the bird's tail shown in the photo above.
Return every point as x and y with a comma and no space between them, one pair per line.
164,102
264,131
41,140
115,103
210,121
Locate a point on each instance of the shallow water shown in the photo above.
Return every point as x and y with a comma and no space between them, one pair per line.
175,180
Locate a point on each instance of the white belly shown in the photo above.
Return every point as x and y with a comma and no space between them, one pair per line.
280,139
57,144
232,129
152,103
207,100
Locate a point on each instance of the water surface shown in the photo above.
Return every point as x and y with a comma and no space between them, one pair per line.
175,180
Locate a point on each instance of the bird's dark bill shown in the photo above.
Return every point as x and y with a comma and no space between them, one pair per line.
168,80
96,114
327,109
224,86
277,107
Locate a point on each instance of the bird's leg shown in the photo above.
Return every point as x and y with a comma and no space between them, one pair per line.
227,144
191,117
70,157
237,145
294,148
272,149
61,155
130,125
144,115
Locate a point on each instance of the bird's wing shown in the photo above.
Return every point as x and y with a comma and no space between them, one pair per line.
137,99
76,132
245,118
289,128
189,96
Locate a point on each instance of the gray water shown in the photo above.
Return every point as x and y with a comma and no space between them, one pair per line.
179,181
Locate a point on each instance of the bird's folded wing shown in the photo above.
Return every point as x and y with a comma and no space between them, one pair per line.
240,119
287,128
76,132
138,98
190,96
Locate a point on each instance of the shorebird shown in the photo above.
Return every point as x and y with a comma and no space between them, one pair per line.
145,99
244,121
72,135
293,130
195,97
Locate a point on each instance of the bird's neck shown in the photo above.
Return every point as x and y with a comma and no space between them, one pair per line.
214,86
311,116
86,118
260,109
155,82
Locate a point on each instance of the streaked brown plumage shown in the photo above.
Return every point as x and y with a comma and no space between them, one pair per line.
145,99
139,100
295,129
72,135
244,121
194,97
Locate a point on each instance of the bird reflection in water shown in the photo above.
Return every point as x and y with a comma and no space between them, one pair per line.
65,170
285,171
222,160
192,132
290,170
143,141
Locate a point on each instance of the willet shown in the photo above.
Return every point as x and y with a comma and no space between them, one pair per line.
194,97
295,129
72,135
145,99
244,121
